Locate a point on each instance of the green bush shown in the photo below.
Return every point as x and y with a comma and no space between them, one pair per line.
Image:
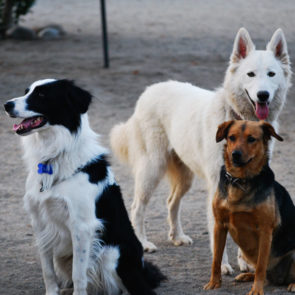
11,10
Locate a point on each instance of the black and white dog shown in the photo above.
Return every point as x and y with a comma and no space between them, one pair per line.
82,227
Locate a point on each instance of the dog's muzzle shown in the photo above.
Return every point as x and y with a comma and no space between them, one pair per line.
237,158
9,108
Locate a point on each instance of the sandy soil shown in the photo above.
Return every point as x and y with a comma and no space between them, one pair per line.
150,41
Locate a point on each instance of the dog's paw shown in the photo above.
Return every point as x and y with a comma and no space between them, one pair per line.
256,291
212,285
67,291
291,288
245,277
244,266
226,269
149,247
52,291
181,240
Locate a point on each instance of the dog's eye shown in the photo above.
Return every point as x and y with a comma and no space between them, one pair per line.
41,94
271,74
251,74
232,138
251,139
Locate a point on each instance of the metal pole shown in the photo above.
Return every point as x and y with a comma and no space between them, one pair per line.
104,34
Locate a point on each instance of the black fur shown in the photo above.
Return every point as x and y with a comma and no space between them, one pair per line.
118,231
138,276
97,169
60,102
284,236
279,275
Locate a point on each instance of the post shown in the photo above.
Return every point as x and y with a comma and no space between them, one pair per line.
104,34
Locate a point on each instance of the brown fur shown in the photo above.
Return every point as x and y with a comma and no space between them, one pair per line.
251,227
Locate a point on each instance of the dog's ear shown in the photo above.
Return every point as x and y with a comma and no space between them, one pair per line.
278,46
269,131
223,129
78,97
242,46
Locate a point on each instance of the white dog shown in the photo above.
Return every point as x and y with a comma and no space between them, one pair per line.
78,215
172,130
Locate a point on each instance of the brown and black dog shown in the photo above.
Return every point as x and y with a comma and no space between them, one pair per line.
256,210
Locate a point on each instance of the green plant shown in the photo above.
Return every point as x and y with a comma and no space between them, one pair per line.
10,12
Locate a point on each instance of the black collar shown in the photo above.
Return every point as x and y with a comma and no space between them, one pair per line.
260,185
235,181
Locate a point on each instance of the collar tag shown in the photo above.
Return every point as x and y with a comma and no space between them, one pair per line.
45,169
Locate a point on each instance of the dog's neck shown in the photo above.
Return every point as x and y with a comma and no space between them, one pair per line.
254,189
61,151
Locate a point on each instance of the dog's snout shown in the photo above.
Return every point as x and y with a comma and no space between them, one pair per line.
9,106
237,156
263,96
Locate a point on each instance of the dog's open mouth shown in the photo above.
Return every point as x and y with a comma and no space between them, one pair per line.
29,124
261,108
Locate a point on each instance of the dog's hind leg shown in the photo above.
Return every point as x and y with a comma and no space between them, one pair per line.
180,177
148,173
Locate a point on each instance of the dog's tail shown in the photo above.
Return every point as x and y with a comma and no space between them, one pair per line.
152,275
119,141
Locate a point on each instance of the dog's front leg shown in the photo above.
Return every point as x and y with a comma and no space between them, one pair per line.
81,240
48,272
265,240
220,233
226,268
46,257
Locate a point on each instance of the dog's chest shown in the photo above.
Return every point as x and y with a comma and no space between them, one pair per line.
51,217
246,223
56,211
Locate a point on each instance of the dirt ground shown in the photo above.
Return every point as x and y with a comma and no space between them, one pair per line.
150,41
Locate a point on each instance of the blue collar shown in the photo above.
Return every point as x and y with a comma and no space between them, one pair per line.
45,169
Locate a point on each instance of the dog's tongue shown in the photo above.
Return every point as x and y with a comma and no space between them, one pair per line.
261,110
25,124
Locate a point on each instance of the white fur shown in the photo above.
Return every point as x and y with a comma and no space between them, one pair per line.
174,125
63,215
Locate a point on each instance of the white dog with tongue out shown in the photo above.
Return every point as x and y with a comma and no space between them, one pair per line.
172,130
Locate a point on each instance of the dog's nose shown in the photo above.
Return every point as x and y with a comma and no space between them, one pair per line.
9,106
237,156
263,96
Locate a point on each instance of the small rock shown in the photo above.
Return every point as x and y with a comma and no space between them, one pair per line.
50,32
21,33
